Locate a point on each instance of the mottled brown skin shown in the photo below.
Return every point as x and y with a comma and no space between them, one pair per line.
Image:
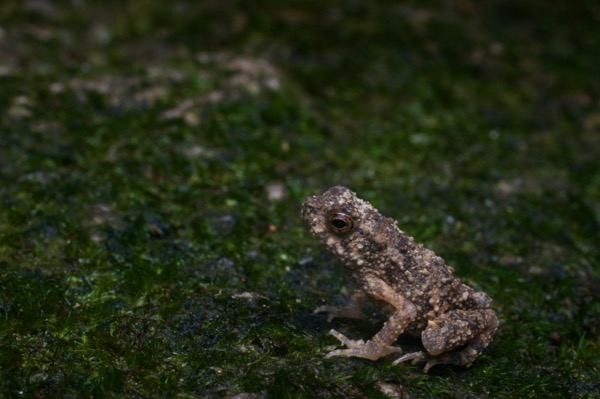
455,322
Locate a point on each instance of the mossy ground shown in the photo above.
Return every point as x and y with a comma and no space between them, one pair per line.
153,159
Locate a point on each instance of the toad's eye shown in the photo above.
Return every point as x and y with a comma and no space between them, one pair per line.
340,223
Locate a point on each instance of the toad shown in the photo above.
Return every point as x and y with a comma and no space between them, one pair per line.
455,322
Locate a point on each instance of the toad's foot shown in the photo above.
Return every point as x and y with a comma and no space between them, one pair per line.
371,350
353,310
346,312
417,357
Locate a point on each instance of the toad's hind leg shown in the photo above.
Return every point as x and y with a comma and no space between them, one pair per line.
471,329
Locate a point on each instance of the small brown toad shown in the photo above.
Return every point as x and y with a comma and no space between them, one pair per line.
455,321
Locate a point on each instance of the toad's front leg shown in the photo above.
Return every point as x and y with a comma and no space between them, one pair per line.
371,350
381,344
353,310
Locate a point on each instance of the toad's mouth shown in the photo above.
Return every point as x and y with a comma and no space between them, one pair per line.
309,208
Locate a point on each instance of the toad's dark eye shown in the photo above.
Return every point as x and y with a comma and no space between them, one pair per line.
340,223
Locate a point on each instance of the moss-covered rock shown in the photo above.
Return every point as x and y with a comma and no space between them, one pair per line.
153,159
